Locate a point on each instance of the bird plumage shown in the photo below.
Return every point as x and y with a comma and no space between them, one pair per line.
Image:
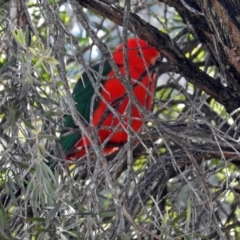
112,125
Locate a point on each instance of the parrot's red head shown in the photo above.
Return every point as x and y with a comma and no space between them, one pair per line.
140,54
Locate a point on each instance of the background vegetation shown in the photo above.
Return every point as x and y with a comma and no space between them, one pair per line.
180,182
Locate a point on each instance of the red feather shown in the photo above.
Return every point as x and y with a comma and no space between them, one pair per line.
113,128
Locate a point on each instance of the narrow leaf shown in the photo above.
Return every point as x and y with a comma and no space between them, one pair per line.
189,213
11,116
28,124
49,137
52,213
107,214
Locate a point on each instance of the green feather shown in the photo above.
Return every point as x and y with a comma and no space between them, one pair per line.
82,96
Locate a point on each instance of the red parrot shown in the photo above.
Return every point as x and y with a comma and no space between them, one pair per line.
112,128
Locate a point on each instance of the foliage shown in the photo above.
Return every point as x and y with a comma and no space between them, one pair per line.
177,179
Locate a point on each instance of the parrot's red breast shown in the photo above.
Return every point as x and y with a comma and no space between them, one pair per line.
112,127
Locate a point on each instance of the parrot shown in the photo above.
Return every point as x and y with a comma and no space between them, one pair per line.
111,126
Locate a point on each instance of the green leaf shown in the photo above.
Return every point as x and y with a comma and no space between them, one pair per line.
107,214
33,51
180,216
19,37
5,151
3,220
48,170
69,203
11,188
52,113
45,100
180,232
12,115
52,61
24,90
32,219
49,137
26,166
39,62
28,124
52,213
189,213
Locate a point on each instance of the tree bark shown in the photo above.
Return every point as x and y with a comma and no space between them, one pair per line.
207,25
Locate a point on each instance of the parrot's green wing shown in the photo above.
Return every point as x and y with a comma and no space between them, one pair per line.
82,96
